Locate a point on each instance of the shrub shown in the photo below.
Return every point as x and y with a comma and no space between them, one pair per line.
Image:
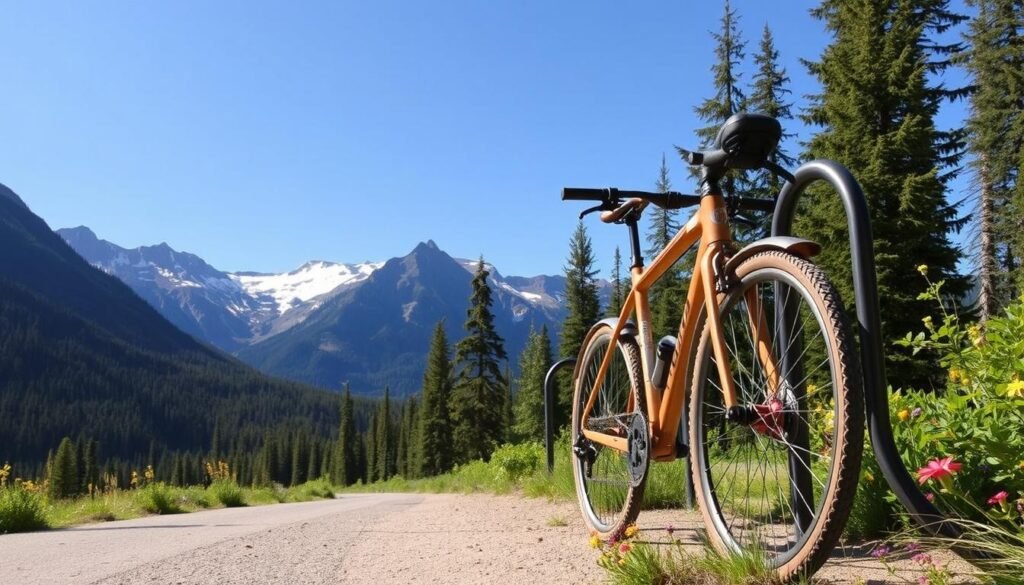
21,509
159,498
978,418
227,493
514,462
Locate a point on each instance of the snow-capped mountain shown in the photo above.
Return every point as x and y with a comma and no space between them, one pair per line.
327,322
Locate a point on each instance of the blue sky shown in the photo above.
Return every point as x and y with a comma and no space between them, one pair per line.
261,135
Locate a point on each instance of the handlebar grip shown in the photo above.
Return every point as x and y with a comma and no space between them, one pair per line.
584,194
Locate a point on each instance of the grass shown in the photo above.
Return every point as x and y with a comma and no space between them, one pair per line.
22,511
557,521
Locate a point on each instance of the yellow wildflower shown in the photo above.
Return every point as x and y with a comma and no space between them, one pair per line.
595,542
923,269
811,389
1015,389
954,375
631,531
904,415
868,476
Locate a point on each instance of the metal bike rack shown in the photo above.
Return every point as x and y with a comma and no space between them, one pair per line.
865,288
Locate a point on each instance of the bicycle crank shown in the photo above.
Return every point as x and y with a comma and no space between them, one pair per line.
639,441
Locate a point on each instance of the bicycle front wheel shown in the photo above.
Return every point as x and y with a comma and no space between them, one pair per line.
776,475
605,488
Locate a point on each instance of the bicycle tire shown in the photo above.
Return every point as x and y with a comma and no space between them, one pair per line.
799,516
608,499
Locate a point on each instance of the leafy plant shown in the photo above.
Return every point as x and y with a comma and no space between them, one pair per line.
22,506
159,498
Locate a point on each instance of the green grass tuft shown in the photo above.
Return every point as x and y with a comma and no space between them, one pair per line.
21,510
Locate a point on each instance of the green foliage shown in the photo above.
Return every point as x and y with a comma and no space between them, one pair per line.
158,498
978,417
620,286
227,492
515,462
22,508
582,310
668,295
435,423
478,396
529,405
385,436
995,61
877,110
63,478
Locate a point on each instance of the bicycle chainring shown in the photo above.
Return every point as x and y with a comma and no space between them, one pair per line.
639,441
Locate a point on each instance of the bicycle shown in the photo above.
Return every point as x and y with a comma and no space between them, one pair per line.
775,413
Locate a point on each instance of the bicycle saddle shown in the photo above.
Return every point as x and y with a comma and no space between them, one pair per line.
744,142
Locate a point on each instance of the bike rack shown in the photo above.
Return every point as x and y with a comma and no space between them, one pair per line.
865,286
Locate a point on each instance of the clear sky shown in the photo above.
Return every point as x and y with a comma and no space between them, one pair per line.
261,135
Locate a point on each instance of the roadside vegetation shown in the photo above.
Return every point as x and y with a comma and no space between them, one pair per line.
27,506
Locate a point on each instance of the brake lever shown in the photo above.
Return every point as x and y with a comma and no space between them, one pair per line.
594,209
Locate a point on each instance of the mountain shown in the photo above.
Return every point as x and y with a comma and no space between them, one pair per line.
82,355
188,292
326,322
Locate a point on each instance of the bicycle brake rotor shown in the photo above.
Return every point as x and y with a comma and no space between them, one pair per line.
639,442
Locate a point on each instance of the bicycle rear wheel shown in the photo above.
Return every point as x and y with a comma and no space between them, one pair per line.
605,488
777,475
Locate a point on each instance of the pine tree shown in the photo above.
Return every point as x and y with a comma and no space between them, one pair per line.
728,98
300,458
533,366
63,476
668,295
508,408
435,423
620,287
995,61
370,446
345,458
385,449
768,95
410,428
582,310
478,395
876,110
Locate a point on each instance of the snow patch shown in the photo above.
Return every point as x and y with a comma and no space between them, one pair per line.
310,280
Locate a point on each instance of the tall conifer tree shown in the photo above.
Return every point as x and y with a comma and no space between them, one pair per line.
478,396
582,310
769,93
533,366
877,110
668,294
995,60
435,427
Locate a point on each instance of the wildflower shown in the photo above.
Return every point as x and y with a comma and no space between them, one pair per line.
811,389
624,548
595,541
904,415
999,499
941,470
670,529
913,547
930,497
916,412
1015,389
923,269
868,476
923,580
631,531
974,332
881,551
922,558
954,374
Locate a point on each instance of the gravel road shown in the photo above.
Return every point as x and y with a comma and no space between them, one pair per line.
374,538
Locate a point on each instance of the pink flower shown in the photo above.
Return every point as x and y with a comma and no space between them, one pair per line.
938,469
624,548
922,580
930,497
922,558
998,499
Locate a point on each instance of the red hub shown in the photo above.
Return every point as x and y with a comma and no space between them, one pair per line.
769,419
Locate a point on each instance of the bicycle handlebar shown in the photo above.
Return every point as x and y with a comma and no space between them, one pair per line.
612,198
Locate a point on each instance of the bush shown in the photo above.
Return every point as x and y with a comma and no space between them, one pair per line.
159,498
514,462
978,418
317,489
21,510
227,493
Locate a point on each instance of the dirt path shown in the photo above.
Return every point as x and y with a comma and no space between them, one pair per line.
375,539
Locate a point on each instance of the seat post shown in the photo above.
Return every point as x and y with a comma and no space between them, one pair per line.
634,240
